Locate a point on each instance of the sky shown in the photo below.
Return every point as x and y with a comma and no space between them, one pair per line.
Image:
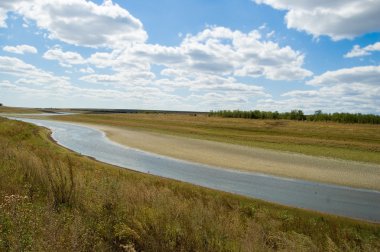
193,55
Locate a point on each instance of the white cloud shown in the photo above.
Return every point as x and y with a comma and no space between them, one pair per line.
353,90
80,22
87,70
367,75
65,59
220,49
20,49
358,51
216,50
270,34
30,75
217,101
203,82
5,7
121,79
119,61
44,89
203,72
3,17
204,66
339,19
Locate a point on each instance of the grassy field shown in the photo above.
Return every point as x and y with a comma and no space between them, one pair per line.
10,110
357,142
54,200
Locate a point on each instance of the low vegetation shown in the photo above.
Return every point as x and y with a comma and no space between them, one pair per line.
359,142
298,115
54,200
10,110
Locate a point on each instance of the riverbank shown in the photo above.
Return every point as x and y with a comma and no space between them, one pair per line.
47,192
231,156
355,142
136,131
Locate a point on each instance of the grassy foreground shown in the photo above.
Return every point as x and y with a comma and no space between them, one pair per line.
358,142
54,200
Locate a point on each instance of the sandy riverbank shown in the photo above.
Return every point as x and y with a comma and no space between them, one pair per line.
250,159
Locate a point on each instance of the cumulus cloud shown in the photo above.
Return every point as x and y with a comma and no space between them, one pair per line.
208,83
29,82
354,90
65,59
339,19
20,49
224,51
5,7
217,101
121,79
28,74
358,51
215,50
3,17
80,22
87,70
204,66
368,75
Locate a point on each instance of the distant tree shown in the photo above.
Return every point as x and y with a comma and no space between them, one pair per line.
276,115
1,104
298,115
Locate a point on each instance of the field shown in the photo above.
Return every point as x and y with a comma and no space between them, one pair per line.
53,199
358,142
10,110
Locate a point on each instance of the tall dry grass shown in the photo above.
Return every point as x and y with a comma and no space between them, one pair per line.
52,199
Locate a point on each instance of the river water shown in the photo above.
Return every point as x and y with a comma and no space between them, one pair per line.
345,201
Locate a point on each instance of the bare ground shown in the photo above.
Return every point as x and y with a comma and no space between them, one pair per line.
231,156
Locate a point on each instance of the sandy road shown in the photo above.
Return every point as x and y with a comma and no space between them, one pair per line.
231,156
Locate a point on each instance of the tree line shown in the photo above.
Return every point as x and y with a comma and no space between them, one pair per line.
299,115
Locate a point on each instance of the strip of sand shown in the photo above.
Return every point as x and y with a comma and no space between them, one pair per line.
231,156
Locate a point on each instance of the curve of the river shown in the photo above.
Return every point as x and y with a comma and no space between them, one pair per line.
345,201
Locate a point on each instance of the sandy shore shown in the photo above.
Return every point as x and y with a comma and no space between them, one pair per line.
250,159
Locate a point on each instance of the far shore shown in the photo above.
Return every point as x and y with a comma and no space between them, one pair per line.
291,165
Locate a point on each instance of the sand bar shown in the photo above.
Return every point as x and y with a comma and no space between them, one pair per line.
231,156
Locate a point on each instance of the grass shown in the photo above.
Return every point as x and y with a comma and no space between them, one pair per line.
358,142
52,199
11,110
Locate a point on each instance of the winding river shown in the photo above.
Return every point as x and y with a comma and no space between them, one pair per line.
345,201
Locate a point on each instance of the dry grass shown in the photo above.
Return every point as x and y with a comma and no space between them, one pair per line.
111,209
357,142
11,110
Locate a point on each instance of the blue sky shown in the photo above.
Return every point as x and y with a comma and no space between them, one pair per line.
191,54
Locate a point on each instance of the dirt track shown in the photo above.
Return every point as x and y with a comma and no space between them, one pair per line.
252,159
